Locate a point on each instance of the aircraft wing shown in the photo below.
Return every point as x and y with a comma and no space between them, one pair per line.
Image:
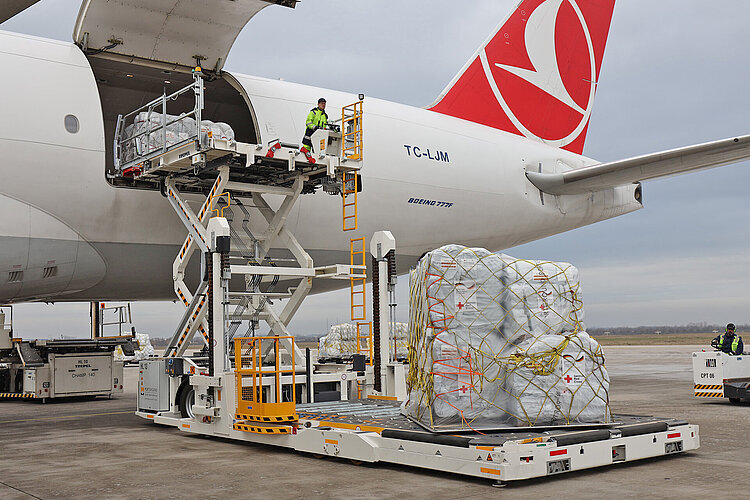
9,8
643,168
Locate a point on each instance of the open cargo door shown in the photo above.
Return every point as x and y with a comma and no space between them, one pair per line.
9,8
176,32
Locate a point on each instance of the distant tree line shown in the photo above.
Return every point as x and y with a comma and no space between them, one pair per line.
664,329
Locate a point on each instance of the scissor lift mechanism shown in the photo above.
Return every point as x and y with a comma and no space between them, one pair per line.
234,385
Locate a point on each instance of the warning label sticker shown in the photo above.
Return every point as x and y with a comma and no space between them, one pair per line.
456,367
573,370
467,261
448,263
464,296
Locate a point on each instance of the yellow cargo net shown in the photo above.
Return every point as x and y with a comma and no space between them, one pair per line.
493,349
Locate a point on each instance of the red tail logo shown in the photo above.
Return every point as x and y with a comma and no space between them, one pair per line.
536,76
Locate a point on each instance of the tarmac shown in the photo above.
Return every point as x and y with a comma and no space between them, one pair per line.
100,449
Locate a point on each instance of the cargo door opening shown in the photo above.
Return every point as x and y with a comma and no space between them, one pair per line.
125,86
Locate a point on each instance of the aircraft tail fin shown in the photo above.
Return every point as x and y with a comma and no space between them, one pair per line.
536,75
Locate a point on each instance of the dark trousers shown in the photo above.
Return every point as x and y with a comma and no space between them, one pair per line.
307,140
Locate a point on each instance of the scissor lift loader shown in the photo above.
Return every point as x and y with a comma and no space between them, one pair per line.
262,388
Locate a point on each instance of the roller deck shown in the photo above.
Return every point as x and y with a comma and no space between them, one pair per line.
375,431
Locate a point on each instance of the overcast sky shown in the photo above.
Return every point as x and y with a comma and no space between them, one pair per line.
676,72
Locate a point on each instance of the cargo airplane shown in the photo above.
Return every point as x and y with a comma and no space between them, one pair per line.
495,161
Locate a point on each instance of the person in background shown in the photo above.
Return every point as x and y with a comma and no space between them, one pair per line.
728,342
316,119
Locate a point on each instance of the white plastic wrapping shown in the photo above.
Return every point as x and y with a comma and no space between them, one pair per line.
145,349
341,342
572,387
472,316
181,130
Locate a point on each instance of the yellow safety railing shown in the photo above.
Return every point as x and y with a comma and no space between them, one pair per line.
349,201
351,131
220,210
357,282
254,371
366,346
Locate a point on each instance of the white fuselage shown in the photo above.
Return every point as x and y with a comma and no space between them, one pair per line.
428,178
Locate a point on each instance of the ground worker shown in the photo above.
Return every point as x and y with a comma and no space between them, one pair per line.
728,342
316,119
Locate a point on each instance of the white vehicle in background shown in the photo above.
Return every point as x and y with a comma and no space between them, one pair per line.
720,375
57,368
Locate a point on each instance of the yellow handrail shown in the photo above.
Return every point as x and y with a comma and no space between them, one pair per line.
252,403
351,126
357,283
367,349
221,209
349,209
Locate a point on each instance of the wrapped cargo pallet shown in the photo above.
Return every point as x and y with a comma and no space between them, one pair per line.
558,379
477,320
179,129
341,342
145,349
400,341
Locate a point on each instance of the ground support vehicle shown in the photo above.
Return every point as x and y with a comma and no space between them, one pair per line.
248,390
720,375
55,368
261,388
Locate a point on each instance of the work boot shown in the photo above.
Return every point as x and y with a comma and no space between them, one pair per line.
307,154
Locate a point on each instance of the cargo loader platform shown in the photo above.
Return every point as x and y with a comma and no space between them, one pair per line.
264,389
375,431
152,145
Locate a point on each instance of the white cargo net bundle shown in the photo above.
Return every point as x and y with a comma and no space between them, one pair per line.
145,349
496,341
181,130
341,342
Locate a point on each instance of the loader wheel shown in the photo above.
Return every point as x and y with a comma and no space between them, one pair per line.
735,401
187,400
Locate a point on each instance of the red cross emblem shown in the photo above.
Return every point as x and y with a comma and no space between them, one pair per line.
460,305
568,378
464,389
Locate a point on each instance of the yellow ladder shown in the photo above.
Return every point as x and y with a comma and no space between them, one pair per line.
349,201
351,131
366,346
357,282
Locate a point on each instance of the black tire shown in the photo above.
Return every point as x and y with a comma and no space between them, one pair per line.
19,381
735,401
186,401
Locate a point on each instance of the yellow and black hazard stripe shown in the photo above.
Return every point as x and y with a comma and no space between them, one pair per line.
700,387
16,395
262,429
260,418
709,394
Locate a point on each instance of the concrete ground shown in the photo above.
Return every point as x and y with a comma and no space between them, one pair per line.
100,449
